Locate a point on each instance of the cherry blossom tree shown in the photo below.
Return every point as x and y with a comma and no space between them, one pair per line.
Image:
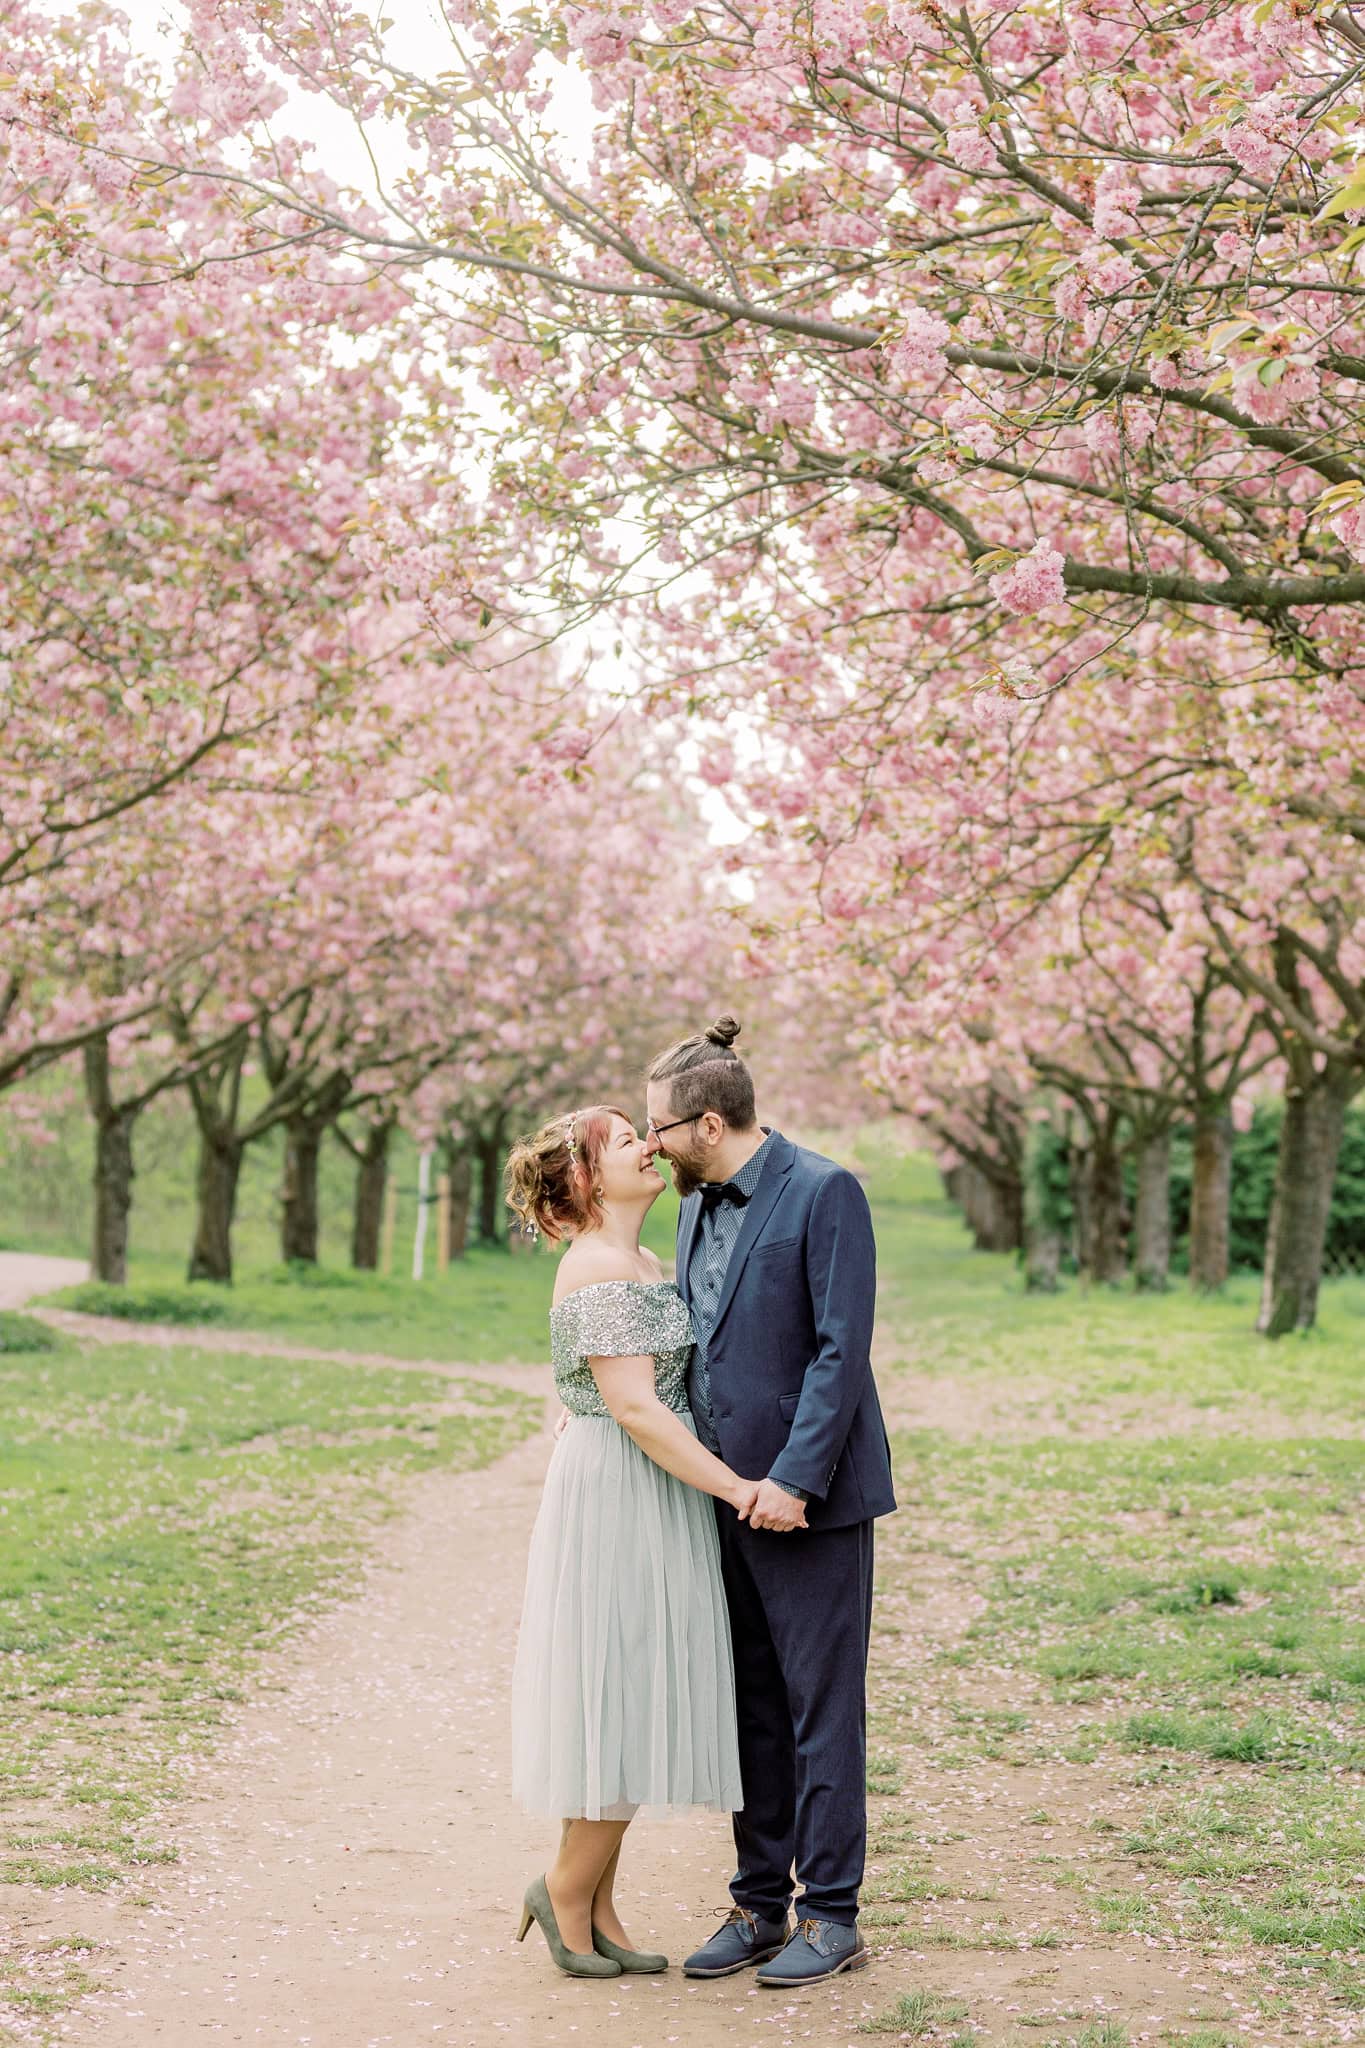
186,446
1068,299
961,406
1118,889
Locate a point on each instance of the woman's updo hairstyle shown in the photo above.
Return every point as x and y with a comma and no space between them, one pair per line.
705,1072
551,1179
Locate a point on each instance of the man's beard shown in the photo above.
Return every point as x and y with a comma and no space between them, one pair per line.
689,1172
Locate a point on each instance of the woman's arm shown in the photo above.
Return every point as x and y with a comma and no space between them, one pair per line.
627,1387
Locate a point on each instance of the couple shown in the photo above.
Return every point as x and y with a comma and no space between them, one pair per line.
673,1654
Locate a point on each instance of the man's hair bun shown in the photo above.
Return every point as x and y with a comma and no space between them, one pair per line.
705,1072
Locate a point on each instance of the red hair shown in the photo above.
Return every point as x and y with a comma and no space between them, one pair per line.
552,1178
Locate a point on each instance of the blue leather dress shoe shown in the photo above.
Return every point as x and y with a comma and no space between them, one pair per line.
743,1941
819,1948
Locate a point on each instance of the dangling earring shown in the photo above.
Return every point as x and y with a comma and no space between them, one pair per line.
599,1194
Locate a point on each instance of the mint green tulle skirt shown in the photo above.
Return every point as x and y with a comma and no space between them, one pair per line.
623,1690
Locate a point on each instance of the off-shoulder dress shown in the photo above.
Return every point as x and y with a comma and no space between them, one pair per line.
623,1690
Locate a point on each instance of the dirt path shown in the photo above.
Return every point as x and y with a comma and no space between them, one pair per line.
351,1862
531,1379
23,1274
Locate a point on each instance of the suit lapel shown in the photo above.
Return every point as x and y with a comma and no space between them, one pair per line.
689,1218
756,1213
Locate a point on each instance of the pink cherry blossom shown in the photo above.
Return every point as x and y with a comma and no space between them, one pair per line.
1349,528
972,149
917,353
1032,582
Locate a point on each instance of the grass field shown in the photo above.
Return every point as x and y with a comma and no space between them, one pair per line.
164,1515
1119,1667
1126,1580
488,1307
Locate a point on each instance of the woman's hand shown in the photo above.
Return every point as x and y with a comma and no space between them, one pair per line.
743,1495
562,1421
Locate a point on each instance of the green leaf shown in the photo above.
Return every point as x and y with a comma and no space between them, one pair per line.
1340,494
1231,330
993,559
1348,199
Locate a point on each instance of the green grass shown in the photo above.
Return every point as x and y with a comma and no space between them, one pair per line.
1158,1516
24,1333
918,2016
164,1516
1150,1518
490,1308
965,1315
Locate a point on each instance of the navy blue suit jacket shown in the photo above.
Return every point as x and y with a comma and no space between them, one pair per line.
792,1393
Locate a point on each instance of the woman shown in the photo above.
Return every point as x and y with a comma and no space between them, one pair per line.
623,1689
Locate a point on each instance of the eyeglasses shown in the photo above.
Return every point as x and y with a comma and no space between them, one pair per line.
659,1129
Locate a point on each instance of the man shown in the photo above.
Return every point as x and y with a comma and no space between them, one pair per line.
777,1263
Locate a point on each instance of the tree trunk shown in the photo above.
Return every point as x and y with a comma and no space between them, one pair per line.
299,1195
1008,1189
1102,1243
1210,1189
953,1178
1078,1177
994,1207
371,1179
113,1196
1043,1258
113,1175
220,1163
460,1167
1305,1172
490,1186
973,1197
1152,1225
461,1199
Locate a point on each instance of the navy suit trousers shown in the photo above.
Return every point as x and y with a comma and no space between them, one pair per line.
800,1618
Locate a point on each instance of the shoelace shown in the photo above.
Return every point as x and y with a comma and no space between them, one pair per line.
735,1913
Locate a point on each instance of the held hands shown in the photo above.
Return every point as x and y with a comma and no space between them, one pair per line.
742,1496
765,1505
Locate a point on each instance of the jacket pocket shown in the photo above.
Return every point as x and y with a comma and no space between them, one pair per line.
786,1405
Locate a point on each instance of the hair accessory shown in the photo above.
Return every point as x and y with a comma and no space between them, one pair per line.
569,1139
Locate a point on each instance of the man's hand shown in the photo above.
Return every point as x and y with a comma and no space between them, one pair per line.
775,1508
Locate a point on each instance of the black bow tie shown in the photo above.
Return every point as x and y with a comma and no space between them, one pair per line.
714,1192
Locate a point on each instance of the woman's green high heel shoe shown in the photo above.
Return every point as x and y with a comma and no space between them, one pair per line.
634,1962
536,1906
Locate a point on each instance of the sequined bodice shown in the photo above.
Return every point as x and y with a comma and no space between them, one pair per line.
620,1319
